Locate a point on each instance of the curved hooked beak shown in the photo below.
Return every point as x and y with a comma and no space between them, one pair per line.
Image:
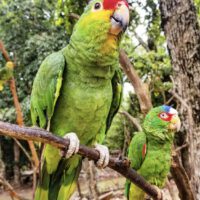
175,123
119,19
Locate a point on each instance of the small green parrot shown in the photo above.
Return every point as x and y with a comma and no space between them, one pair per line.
77,92
150,150
6,73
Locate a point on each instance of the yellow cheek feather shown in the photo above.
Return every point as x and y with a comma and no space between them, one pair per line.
110,44
102,16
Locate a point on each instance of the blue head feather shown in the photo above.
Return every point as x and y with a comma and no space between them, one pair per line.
166,108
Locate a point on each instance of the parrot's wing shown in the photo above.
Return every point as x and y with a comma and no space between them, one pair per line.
136,154
137,150
117,96
46,88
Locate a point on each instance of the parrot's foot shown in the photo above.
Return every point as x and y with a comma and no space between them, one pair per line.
104,155
160,194
74,144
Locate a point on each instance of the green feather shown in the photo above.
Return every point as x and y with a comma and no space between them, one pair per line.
77,89
117,97
46,89
155,165
136,149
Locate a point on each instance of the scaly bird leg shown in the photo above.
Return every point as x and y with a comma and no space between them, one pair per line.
104,155
74,144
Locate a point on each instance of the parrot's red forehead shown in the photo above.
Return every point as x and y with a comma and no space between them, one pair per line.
111,4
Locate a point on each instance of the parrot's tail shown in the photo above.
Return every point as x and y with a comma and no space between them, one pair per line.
135,193
61,184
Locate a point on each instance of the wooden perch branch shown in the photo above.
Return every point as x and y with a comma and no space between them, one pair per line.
40,135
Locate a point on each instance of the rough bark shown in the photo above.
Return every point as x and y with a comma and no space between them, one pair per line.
180,24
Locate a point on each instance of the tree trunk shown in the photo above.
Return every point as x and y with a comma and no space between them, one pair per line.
180,24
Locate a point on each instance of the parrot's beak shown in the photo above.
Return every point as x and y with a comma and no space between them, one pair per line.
175,123
119,19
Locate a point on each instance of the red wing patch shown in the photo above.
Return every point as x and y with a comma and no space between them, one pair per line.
144,151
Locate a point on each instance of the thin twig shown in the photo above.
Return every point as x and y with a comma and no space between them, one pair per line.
10,189
79,190
23,149
141,41
132,119
181,147
17,104
40,135
74,15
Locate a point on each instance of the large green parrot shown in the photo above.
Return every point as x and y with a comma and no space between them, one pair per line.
6,73
150,150
76,93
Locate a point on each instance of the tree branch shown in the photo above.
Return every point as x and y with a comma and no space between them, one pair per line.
74,16
4,52
132,119
180,176
10,189
141,92
40,135
141,41
19,120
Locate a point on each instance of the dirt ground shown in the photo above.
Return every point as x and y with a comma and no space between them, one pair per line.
103,182
26,193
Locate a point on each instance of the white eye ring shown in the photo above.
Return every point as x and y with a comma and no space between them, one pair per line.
97,6
163,115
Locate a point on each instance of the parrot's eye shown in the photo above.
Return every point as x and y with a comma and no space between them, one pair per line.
97,6
119,5
163,116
